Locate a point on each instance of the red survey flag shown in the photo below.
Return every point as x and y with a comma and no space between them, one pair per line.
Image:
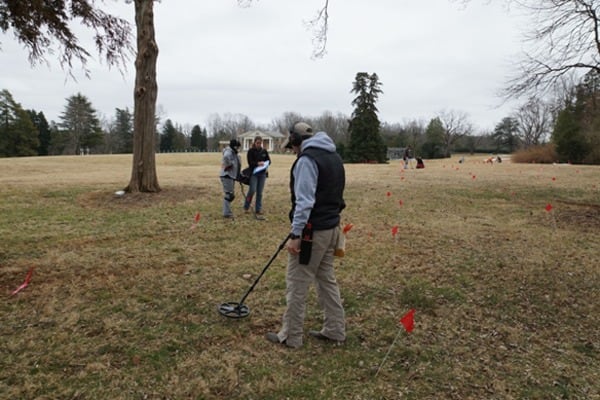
394,230
24,284
548,207
196,220
347,228
408,320
389,194
401,203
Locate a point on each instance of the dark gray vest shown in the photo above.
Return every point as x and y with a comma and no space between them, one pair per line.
329,198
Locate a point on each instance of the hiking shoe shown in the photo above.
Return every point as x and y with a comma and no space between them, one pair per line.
318,335
273,338
247,210
230,216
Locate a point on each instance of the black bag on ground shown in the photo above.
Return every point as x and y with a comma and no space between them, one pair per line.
245,175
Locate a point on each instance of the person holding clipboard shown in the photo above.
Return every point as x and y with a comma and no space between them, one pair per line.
258,161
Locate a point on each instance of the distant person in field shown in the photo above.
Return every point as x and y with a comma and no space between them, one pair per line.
420,163
257,156
230,170
408,157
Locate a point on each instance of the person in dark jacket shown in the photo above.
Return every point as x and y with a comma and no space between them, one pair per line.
317,183
257,157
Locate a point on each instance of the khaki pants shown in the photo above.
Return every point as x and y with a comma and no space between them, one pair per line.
298,279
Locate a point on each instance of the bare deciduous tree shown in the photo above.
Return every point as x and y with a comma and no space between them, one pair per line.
456,125
535,121
229,125
336,125
319,26
565,37
284,123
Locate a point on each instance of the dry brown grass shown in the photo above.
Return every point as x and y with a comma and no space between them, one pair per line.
122,303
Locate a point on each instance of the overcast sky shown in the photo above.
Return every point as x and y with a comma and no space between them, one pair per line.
217,57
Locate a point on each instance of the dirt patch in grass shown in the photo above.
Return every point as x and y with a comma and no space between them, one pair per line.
169,195
585,217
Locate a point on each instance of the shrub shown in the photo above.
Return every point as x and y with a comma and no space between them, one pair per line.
544,154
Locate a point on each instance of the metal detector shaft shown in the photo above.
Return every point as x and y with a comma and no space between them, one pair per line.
250,205
281,246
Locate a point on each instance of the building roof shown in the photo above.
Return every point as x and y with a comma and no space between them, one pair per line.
254,133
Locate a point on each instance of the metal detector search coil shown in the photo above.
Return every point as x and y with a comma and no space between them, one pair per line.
240,310
234,310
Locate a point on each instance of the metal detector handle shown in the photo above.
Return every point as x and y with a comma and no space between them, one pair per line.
242,189
281,246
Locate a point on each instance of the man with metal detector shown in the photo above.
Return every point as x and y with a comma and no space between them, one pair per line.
230,170
317,181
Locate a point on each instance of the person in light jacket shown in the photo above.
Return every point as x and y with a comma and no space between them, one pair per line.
230,170
317,181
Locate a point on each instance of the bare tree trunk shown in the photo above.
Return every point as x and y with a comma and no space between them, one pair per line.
143,173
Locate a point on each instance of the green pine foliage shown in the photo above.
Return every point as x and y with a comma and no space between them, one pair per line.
80,126
576,134
434,145
198,139
18,134
44,136
366,143
171,138
123,131
167,137
505,135
568,136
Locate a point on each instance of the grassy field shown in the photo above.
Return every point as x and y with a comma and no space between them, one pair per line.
501,263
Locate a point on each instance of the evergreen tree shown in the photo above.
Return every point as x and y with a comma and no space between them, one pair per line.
18,135
49,27
44,137
181,141
204,141
168,137
576,135
506,135
434,146
198,139
568,136
123,130
366,143
80,125
58,140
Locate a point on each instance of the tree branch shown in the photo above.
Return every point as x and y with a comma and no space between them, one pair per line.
320,26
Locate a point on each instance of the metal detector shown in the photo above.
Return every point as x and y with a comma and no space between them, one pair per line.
240,310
